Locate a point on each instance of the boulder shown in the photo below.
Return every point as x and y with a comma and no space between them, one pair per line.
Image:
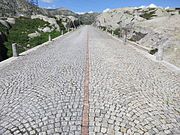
11,20
46,29
51,21
33,35
5,23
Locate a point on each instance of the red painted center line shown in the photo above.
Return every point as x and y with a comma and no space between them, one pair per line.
85,119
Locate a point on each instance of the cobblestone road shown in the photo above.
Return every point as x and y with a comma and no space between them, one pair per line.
42,93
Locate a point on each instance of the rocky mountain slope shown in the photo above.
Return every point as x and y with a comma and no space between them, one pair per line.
88,18
150,27
9,8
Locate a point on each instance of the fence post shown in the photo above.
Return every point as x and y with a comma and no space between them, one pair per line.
14,49
50,38
112,32
159,55
124,40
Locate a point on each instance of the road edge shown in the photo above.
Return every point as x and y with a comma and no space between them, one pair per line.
166,64
11,59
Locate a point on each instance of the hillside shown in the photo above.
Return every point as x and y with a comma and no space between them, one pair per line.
9,8
150,27
88,18
61,11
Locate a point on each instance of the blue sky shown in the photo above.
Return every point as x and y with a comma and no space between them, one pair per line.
100,5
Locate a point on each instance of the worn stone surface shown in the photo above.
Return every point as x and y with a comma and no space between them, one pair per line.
149,27
42,92
130,94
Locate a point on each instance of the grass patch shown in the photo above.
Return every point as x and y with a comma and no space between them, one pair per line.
19,34
3,29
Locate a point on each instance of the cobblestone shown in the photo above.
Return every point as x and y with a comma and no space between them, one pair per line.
42,92
138,95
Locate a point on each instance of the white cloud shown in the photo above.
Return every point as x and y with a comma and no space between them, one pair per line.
51,7
90,12
142,6
80,13
106,10
48,1
152,6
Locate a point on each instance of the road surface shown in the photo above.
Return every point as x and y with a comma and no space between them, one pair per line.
88,83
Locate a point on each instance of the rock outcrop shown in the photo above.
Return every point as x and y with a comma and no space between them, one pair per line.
10,8
150,27
51,21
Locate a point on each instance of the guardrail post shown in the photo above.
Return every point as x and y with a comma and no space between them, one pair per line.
159,55
112,33
125,39
50,39
14,49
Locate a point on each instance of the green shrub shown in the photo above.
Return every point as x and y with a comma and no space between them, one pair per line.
3,29
153,51
102,27
109,30
61,25
117,32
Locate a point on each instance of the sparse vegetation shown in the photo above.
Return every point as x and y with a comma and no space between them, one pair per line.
3,29
88,18
148,15
117,32
153,51
102,27
137,36
19,34
170,10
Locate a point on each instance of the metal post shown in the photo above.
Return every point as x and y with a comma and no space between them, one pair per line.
159,55
50,38
14,49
